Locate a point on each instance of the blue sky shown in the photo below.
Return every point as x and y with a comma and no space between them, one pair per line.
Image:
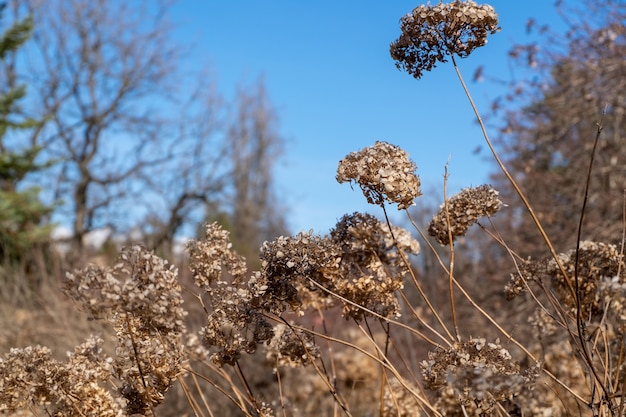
328,72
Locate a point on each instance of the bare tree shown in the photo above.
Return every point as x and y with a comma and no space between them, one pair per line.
191,183
135,147
97,68
548,142
255,147
223,168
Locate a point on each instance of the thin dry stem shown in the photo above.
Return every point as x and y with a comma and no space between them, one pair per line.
579,319
419,288
384,362
373,313
451,263
493,321
512,181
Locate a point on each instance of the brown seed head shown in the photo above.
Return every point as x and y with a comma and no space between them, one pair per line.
462,211
384,172
430,33
478,372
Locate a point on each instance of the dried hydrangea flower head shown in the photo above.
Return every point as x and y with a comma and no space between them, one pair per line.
601,279
291,347
140,284
601,282
384,172
528,270
147,362
234,327
480,374
367,244
213,256
31,378
291,265
236,323
430,33
371,268
141,296
462,211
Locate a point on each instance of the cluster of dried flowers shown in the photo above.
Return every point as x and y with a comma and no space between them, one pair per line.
240,304
600,293
235,322
291,347
475,374
372,266
297,268
384,172
142,298
430,33
528,270
601,279
211,257
358,264
461,211
30,376
588,295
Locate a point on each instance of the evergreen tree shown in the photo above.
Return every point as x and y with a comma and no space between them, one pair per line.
22,214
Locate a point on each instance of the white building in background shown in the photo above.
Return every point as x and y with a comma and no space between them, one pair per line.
61,236
95,240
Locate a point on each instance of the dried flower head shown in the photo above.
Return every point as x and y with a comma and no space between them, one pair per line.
462,211
147,362
141,284
238,303
384,172
291,347
210,256
371,269
236,323
30,378
430,33
528,270
292,265
601,278
480,373
142,298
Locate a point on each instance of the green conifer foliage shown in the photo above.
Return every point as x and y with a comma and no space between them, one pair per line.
22,215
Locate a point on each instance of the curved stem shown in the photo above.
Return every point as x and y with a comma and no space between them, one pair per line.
516,187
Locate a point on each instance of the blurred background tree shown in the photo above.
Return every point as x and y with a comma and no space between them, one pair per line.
23,217
550,121
140,153
257,213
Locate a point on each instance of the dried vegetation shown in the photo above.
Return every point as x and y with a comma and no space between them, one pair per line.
271,342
